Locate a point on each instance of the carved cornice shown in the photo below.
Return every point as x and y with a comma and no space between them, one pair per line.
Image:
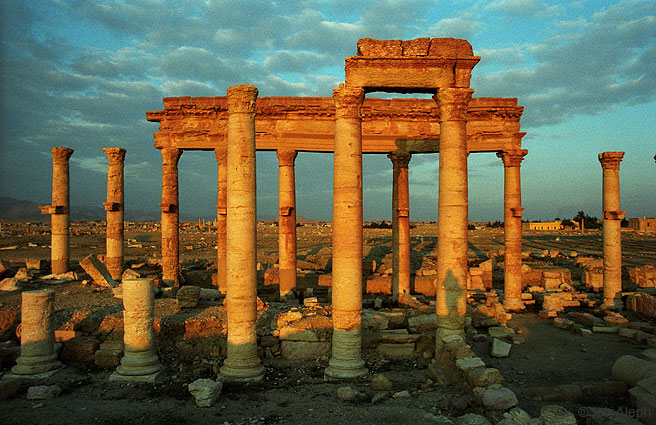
453,102
610,160
512,158
171,156
400,159
116,156
61,155
348,101
286,157
241,99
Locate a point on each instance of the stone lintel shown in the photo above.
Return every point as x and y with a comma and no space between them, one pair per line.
53,209
112,206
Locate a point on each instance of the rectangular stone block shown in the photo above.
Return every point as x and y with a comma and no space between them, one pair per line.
379,285
80,349
108,358
304,350
425,285
97,271
396,351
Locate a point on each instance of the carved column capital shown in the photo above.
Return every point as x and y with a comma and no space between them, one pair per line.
115,155
453,102
170,156
221,154
241,99
512,158
400,159
610,160
348,101
61,155
286,157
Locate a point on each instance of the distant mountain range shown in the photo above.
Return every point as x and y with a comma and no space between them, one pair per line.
14,209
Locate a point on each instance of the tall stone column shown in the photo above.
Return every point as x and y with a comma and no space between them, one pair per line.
37,334
221,208
115,210
346,361
170,219
612,232
242,362
140,362
452,268
512,235
59,210
400,224
286,220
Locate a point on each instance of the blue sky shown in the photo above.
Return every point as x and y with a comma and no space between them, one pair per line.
82,74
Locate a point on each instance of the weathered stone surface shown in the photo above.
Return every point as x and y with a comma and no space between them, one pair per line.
472,419
97,271
501,332
556,415
43,392
10,284
205,391
188,296
500,348
290,333
381,383
402,394
467,363
396,351
398,336
107,358
304,350
631,370
517,416
4,268
606,416
9,388
80,349
422,323
643,304
349,394
484,376
499,398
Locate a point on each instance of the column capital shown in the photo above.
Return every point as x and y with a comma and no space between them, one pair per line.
170,156
60,154
512,158
286,157
610,160
400,159
453,102
348,101
241,99
221,154
115,155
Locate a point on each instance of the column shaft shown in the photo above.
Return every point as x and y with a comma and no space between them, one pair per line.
286,220
60,210
170,218
115,210
612,232
242,362
512,207
221,208
452,267
346,359
400,225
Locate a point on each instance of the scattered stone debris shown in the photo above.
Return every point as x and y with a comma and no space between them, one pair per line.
205,391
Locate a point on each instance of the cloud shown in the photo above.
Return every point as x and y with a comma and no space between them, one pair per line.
524,8
454,28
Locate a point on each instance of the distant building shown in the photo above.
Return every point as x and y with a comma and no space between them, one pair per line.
543,225
643,224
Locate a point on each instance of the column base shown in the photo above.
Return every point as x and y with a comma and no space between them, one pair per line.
36,365
20,373
229,373
144,363
152,378
344,369
514,304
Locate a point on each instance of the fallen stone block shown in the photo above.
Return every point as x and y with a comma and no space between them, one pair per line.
188,296
34,264
643,304
472,419
43,392
381,383
466,363
130,274
304,350
499,398
205,391
97,271
80,349
556,415
349,394
484,376
500,348
396,351
10,284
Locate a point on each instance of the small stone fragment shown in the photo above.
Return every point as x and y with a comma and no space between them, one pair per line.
348,394
499,398
402,394
472,419
381,383
500,348
43,392
205,391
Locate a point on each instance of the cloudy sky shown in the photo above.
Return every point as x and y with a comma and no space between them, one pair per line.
82,74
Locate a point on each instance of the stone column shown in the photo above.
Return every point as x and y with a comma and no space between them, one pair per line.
452,268
346,361
140,362
37,334
512,234
610,163
170,219
286,220
221,205
400,224
59,210
242,362
115,208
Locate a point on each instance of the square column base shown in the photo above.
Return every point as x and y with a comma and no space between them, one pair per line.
153,378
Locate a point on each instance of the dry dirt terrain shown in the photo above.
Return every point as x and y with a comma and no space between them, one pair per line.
191,342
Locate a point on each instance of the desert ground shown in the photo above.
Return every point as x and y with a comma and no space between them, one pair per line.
544,359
